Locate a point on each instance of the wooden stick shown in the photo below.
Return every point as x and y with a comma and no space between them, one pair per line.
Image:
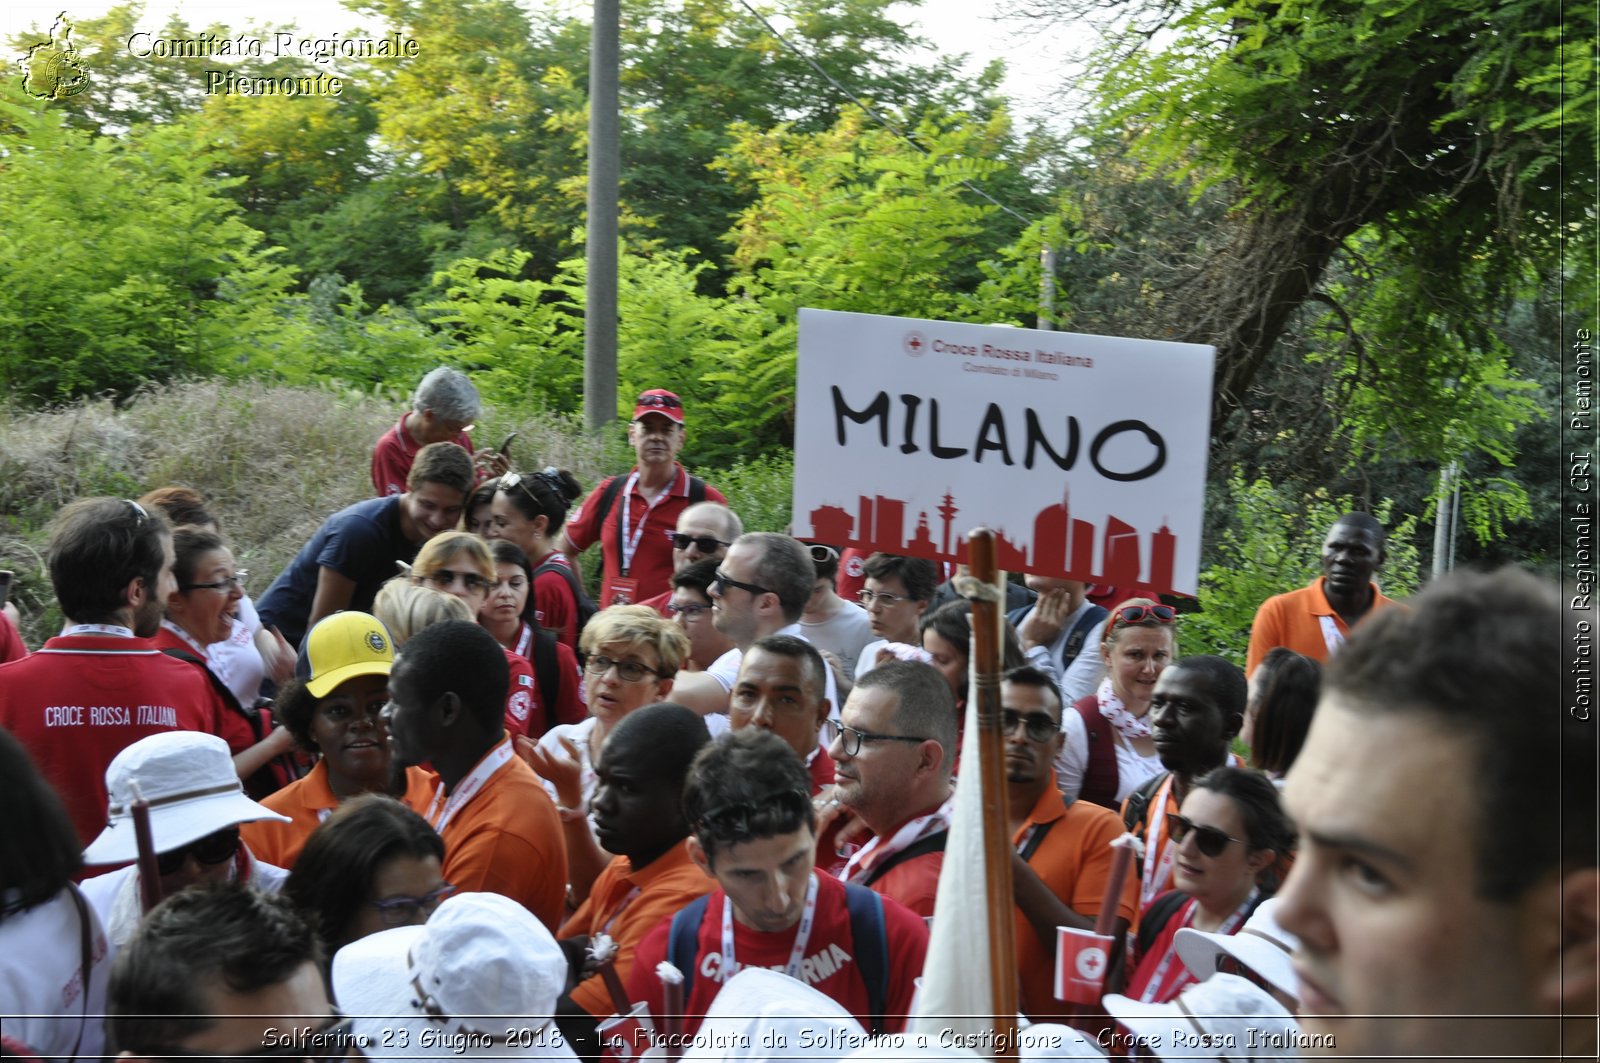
987,616
149,869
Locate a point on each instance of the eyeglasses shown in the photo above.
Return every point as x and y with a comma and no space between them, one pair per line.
745,818
866,598
1133,614
332,1041
693,611
850,739
225,584
403,911
1210,840
706,543
821,553
722,581
627,671
1038,726
217,848
445,578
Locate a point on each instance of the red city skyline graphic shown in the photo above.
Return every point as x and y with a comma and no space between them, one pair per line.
1061,545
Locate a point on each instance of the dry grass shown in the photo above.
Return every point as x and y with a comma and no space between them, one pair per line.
274,461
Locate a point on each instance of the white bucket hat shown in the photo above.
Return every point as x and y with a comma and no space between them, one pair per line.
192,788
482,966
1224,1017
766,1015
1261,945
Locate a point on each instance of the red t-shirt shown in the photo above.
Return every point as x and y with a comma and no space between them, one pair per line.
393,456
231,727
12,647
828,965
553,603
852,575
652,560
526,713
82,699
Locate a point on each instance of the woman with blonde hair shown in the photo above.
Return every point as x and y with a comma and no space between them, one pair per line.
1108,750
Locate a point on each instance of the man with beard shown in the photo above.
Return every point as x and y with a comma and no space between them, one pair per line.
1316,619
100,685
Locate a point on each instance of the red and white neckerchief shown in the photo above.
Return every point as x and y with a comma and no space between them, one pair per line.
632,535
878,849
801,935
1157,865
1332,637
1111,707
116,631
468,788
1185,918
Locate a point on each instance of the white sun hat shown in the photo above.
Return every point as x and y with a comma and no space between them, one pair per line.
189,781
766,1015
1261,945
1224,1017
480,978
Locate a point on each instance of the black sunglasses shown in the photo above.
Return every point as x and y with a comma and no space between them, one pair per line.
706,543
1210,840
215,848
1038,726
722,581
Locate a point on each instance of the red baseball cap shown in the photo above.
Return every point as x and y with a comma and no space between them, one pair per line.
657,400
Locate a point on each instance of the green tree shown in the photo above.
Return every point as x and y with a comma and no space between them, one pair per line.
124,260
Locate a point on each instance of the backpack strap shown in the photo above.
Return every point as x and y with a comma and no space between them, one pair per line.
251,714
581,602
697,490
1080,631
1036,839
547,673
933,843
1101,776
608,498
683,939
870,942
85,958
1156,917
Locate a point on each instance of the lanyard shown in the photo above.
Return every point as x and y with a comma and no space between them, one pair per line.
114,630
1153,987
1332,637
186,637
801,936
468,788
628,535
524,640
1157,864
632,896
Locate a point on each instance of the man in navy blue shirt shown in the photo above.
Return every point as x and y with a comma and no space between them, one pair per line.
355,550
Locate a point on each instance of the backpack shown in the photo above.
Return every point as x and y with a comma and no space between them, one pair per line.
867,935
547,671
586,606
1075,638
613,488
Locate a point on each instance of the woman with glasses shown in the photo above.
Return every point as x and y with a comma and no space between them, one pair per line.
1230,831
202,611
530,509
333,710
374,864
509,616
1108,750
631,654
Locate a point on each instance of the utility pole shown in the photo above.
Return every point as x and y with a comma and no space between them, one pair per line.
1444,523
605,169
1047,287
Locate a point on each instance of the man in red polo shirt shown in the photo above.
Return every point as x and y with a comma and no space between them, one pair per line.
442,411
630,515
893,759
100,685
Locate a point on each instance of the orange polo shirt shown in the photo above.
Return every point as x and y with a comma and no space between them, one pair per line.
1294,620
664,885
1074,860
507,840
307,802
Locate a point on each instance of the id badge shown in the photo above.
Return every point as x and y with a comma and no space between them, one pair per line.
624,590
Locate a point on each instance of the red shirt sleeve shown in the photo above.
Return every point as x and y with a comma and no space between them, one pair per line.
581,526
907,935
390,464
569,704
555,606
12,647
522,697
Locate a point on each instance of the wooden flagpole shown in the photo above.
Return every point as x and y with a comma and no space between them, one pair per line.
988,613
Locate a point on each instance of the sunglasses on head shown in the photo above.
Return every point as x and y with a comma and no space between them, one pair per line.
706,543
821,553
213,849
1133,614
663,402
1209,840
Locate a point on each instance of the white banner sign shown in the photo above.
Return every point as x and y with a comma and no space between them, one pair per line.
1086,454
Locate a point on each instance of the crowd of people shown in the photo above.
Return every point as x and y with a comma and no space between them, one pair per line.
427,799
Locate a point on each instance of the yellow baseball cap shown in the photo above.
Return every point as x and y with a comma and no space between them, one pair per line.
341,647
